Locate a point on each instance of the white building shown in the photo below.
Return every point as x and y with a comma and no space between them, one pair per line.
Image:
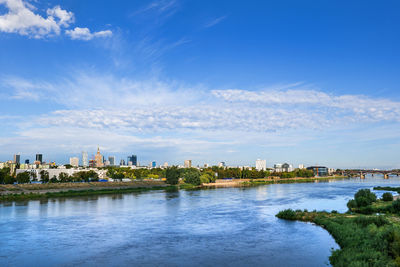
85,161
221,164
74,162
261,165
188,163
301,166
278,167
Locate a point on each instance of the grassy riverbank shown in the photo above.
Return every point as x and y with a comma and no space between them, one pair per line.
266,181
364,240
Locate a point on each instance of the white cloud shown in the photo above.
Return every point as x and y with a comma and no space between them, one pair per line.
22,19
85,34
65,17
117,112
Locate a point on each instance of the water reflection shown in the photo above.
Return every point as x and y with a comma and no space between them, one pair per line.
225,226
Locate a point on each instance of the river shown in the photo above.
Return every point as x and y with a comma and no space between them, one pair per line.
215,227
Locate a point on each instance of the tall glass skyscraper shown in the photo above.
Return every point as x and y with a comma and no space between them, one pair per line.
39,158
132,159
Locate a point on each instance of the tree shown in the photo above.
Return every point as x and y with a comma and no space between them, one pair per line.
53,179
364,197
192,176
172,175
8,179
387,196
23,177
64,177
44,176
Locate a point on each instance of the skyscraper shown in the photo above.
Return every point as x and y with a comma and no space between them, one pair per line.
122,162
39,158
98,158
153,164
111,159
17,158
132,159
85,161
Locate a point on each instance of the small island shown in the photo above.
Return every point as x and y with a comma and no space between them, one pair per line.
368,233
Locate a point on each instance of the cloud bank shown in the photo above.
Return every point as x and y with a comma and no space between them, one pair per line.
22,18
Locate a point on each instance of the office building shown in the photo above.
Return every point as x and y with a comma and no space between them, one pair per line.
98,158
17,159
111,159
85,161
133,160
261,165
74,162
301,166
27,161
153,164
188,163
319,170
122,162
165,165
287,167
39,158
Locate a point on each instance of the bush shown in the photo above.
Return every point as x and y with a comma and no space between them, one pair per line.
387,196
352,204
377,220
172,175
204,179
396,206
23,177
192,176
288,214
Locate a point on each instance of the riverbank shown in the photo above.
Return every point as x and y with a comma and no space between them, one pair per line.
39,191
276,180
364,240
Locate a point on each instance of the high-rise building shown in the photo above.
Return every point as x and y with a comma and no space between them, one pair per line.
39,158
27,161
111,159
165,165
85,161
153,164
133,159
261,165
221,164
188,163
74,162
122,162
92,163
98,158
17,159
301,166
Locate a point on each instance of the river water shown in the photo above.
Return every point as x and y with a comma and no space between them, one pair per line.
216,227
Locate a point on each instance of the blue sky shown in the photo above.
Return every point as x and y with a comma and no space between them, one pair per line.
311,82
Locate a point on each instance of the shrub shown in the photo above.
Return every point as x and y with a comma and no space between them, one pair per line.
192,176
364,197
387,196
172,175
396,206
204,178
352,204
377,220
288,214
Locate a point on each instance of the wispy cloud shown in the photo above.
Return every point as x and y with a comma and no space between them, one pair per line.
121,112
22,19
214,21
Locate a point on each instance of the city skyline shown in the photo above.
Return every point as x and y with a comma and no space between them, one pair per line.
227,81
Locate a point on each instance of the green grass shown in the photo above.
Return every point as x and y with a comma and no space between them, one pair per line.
363,240
79,193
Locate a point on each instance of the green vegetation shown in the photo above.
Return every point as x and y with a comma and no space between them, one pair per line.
192,176
79,193
372,240
172,175
23,178
5,177
388,188
387,196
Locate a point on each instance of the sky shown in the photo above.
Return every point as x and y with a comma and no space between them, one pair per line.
303,82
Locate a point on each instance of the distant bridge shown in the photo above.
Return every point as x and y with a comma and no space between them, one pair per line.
362,173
